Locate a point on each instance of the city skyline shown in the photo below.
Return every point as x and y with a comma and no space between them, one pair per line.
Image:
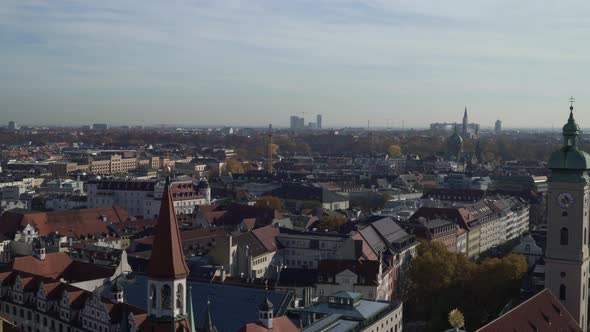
246,63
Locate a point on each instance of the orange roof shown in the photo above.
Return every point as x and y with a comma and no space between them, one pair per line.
70,223
52,266
541,313
167,259
279,324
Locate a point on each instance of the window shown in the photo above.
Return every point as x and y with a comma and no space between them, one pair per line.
562,292
166,293
564,214
153,296
179,297
563,239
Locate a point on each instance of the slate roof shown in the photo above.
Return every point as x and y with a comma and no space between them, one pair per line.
239,305
363,310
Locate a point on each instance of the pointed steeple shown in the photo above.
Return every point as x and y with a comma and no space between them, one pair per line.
191,312
571,130
208,325
167,259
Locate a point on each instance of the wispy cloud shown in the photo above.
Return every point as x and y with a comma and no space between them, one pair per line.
207,61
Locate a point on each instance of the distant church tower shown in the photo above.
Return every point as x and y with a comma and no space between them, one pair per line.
166,274
566,257
465,123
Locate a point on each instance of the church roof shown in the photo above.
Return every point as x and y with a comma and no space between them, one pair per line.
167,258
541,313
570,156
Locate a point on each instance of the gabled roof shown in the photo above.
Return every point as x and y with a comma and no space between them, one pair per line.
53,266
60,265
279,324
541,313
267,235
167,258
72,223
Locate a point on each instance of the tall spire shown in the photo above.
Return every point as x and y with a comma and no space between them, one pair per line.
191,311
167,259
208,325
571,130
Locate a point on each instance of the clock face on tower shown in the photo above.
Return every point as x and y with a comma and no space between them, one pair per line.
565,200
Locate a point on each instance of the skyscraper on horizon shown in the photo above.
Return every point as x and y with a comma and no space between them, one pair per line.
498,127
318,121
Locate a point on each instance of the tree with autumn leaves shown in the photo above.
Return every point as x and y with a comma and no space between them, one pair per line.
440,281
270,202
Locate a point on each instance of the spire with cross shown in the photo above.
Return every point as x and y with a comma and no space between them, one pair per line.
572,100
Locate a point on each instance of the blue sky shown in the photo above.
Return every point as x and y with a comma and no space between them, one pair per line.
202,62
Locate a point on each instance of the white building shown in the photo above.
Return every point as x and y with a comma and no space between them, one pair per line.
142,198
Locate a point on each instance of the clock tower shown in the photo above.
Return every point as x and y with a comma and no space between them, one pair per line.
566,255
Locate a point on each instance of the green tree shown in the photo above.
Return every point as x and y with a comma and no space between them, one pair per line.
331,223
394,150
440,281
270,202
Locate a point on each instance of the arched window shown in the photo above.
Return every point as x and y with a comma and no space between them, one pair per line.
562,292
564,214
153,296
179,297
563,236
166,300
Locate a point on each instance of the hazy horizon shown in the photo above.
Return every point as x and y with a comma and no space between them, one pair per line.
249,63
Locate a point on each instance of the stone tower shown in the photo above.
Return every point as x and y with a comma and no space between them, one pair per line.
166,273
566,273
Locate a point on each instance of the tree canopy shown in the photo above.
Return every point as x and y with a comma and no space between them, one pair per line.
270,201
440,281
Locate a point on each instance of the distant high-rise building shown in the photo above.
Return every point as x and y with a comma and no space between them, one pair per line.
294,122
301,123
100,126
498,127
318,121
12,125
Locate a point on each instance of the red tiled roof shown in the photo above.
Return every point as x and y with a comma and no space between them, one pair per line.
279,324
70,223
267,235
367,250
167,259
250,223
53,266
541,313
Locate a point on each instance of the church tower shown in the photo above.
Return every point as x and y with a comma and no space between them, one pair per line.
566,256
167,272
464,129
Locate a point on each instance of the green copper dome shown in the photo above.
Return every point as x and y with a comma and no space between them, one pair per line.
455,139
570,156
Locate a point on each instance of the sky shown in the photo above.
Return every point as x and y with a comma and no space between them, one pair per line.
250,63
